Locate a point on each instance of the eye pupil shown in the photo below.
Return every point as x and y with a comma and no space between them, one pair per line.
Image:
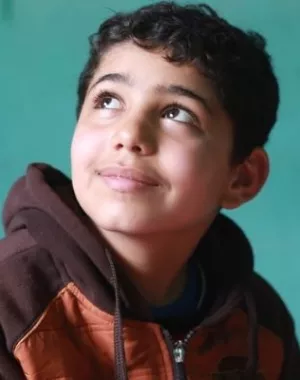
106,101
173,112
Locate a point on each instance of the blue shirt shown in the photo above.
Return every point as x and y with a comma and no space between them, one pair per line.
191,298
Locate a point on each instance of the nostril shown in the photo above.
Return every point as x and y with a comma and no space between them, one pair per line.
119,146
136,149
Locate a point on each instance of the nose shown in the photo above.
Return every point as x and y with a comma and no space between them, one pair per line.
136,135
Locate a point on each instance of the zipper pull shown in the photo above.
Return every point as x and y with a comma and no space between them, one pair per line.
179,351
179,355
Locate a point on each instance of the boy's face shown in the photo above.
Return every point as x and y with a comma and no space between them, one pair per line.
152,147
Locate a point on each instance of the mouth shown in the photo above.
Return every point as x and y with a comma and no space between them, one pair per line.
125,179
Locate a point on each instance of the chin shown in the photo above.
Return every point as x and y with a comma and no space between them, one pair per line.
126,224
124,218
125,228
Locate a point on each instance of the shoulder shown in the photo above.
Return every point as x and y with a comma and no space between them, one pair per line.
271,310
29,280
273,314
22,260
17,242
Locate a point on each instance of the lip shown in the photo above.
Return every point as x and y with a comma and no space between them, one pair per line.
127,179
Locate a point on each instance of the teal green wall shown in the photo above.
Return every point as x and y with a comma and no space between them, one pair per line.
43,45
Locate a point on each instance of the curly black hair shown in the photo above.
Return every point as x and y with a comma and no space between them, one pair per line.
236,62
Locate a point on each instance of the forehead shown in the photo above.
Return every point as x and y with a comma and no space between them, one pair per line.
150,68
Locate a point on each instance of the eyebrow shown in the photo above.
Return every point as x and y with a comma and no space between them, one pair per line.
171,89
183,91
112,77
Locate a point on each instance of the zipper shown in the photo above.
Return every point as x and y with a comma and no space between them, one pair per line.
178,351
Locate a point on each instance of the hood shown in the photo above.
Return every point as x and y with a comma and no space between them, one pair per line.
43,202
42,188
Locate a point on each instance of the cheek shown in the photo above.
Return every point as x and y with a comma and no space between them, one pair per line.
182,162
196,167
85,148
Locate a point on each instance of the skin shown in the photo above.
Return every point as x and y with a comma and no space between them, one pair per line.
185,149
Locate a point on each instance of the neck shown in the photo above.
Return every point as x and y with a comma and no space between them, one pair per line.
155,264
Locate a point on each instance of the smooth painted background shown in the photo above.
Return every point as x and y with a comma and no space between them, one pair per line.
43,46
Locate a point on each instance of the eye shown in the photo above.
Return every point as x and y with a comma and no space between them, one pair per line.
179,114
107,101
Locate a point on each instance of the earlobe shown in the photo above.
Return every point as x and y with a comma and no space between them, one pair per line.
247,179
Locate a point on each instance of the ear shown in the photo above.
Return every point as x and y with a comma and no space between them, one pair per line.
247,179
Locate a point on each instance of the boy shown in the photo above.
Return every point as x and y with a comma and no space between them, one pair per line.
130,271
